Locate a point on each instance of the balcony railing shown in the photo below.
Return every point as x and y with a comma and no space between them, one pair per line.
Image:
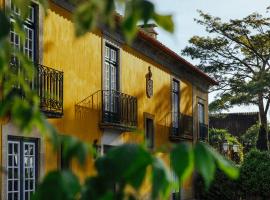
119,108
203,132
49,86
181,127
48,83
116,110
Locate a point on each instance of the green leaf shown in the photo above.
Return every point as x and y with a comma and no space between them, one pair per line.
73,148
160,179
225,165
165,22
4,24
204,163
126,163
85,18
23,6
58,185
129,27
97,188
148,9
182,161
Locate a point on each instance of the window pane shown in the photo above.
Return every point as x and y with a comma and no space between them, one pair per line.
10,173
150,133
10,186
16,172
107,52
201,113
16,185
175,105
29,168
13,185
113,55
26,196
10,160
16,196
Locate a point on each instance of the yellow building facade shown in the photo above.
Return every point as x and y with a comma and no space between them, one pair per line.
103,91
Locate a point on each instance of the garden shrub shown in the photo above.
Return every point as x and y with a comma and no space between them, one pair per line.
253,182
222,188
255,175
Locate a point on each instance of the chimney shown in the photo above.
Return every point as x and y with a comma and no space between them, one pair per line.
149,29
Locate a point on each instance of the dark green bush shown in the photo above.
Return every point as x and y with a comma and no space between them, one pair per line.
255,175
253,183
222,188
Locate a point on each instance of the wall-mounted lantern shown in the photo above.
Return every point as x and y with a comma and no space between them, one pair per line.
149,83
235,148
225,146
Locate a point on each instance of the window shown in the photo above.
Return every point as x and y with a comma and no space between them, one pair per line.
203,128
63,164
149,132
111,66
201,113
175,107
110,84
22,168
30,26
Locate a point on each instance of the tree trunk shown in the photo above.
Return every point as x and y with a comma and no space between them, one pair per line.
262,142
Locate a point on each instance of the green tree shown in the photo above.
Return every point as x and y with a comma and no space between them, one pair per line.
236,53
116,170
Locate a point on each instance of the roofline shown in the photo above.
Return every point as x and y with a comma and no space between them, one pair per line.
154,42
171,53
235,113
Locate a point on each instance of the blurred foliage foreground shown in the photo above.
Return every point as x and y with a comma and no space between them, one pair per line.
124,166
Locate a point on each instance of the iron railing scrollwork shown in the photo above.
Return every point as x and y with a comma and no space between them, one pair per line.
49,86
48,83
181,127
119,108
116,110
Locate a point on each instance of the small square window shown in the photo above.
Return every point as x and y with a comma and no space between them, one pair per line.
149,132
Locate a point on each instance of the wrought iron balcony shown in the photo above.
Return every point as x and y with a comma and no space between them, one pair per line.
48,83
181,127
49,86
116,110
203,132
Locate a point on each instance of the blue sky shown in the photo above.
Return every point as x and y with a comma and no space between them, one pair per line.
184,12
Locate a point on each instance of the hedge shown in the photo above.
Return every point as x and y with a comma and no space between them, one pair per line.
253,182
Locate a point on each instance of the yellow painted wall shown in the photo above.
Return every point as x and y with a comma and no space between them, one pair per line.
80,59
2,4
186,98
134,68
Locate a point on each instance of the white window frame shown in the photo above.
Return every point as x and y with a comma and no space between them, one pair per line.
26,160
